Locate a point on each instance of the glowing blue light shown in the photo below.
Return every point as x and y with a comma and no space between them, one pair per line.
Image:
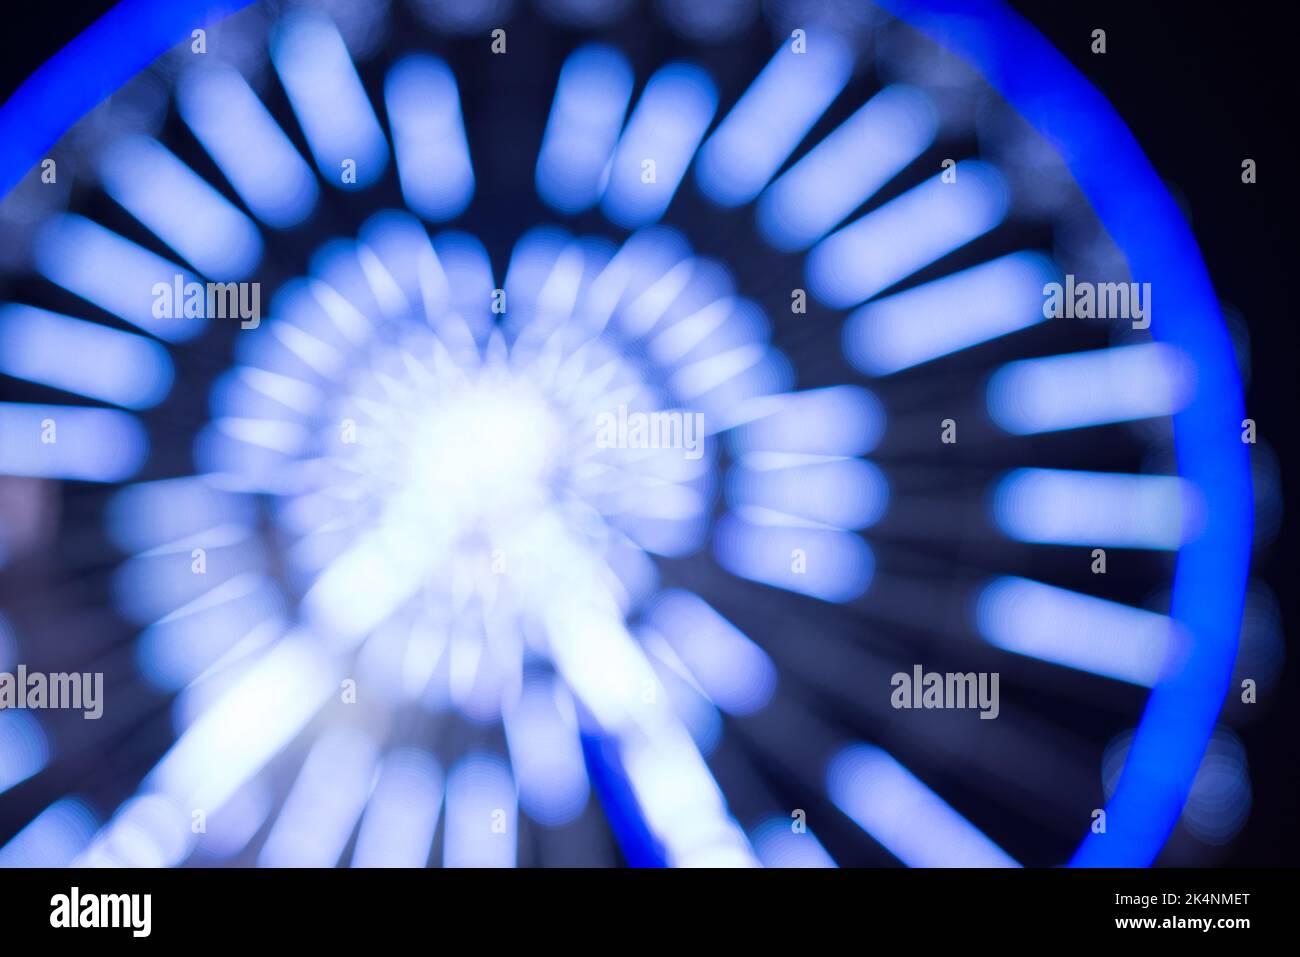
154,584
546,756
177,648
847,168
112,50
254,447
697,714
661,137
328,99
590,102
70,442
897,809
721,385
81,357
180,208
400,819
113,273
250,393
1077,631
147,515
639,264
1090,388
23,748
1120,184
811,560
54,837
681,802
842,493
321,811
837,420
707,332
734,672
267,706
468,272
273,360
321,323
947,315
370,581
1058,507
691,382
600,661
148,830
544,280
399,242
777,845
910,232
283,438
771,118
656,290
349,291
247,144
482,814
672,523
429,137
233,826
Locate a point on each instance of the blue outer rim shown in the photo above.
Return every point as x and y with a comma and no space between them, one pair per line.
91,68
1132,203
1210,577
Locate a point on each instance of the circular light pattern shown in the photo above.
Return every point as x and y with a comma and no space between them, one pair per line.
429,491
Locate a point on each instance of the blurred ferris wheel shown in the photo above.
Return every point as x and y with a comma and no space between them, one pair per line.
367,588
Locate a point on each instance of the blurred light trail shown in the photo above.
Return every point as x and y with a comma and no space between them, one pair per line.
247,144
906,234
583,127
328,99
70,442
83,358
1077,631
1090,388
1060,507
429,137
912,822
847,168
661,136
771,118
